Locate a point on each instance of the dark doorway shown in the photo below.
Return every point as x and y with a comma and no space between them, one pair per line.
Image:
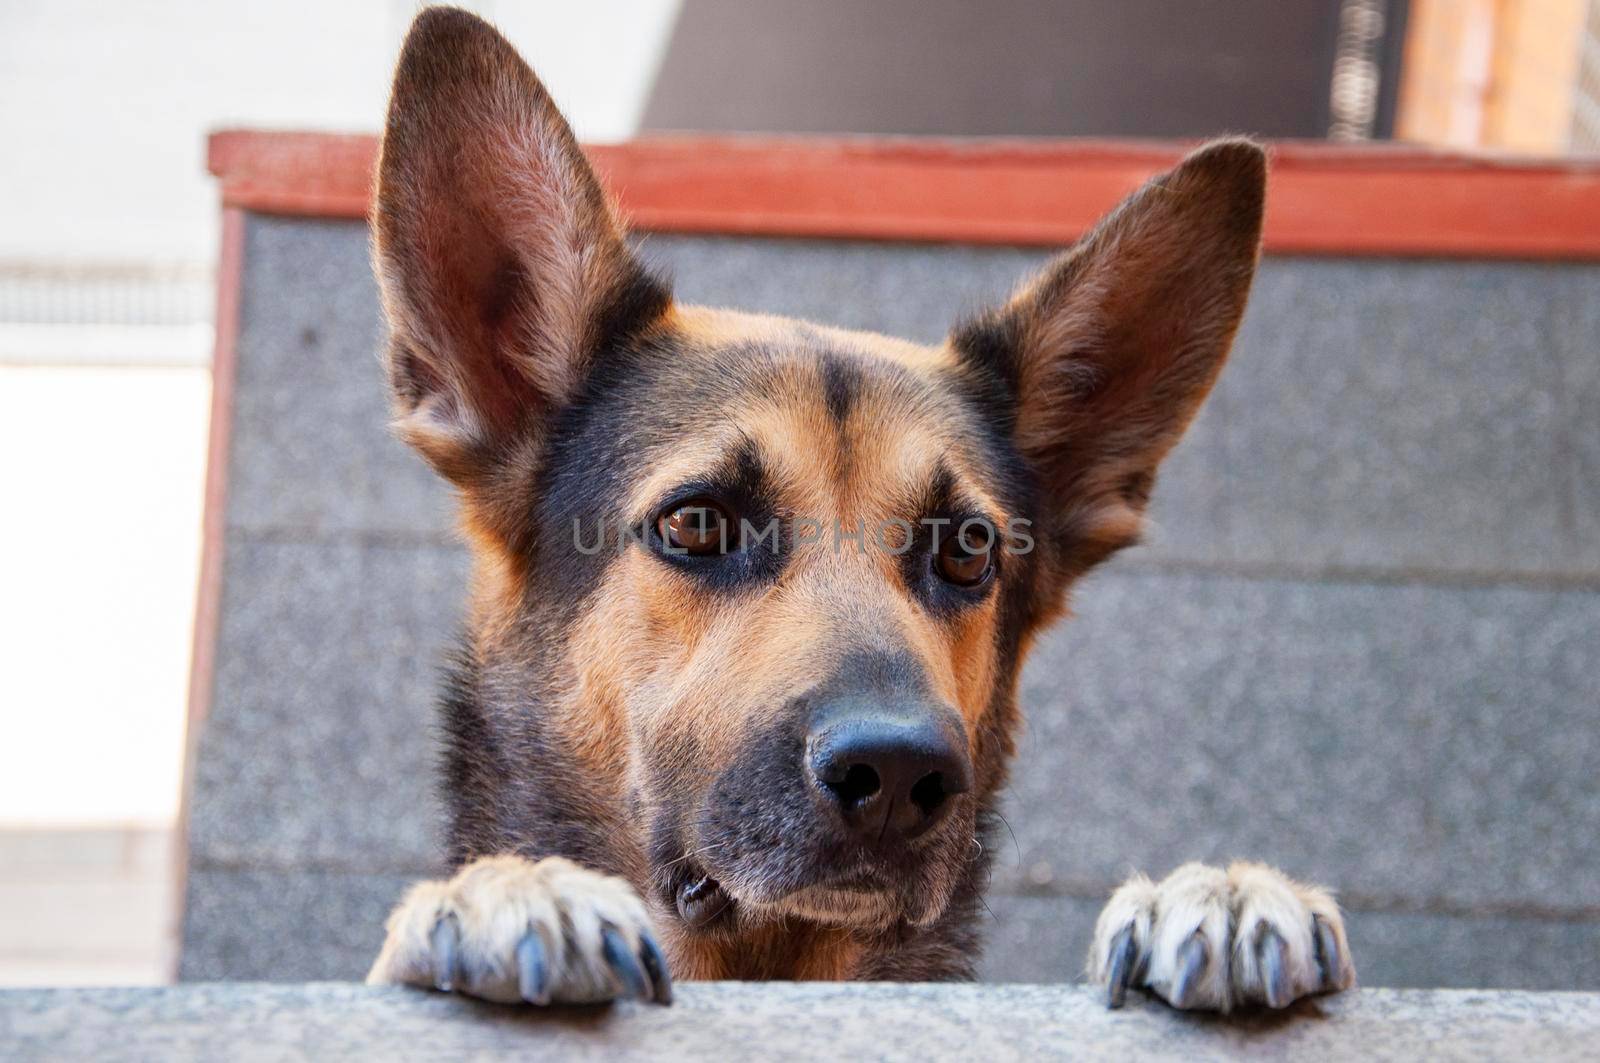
1155,68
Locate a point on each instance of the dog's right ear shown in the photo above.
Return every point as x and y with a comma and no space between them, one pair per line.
1104,358
502,263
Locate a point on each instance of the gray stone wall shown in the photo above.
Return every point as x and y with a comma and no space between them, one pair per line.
792,1022
1362,642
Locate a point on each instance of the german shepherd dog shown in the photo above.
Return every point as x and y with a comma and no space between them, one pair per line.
752,738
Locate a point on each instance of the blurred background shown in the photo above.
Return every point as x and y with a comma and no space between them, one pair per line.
109,239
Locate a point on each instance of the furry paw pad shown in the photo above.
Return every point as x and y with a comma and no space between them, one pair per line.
1207,939
509,929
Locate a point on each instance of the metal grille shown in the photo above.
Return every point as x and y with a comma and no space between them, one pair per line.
1586,94
1356,73
48,294
132,315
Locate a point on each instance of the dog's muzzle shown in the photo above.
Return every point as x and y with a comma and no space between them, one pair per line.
853,808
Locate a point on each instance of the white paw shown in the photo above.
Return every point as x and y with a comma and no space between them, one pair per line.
1208,939
509,929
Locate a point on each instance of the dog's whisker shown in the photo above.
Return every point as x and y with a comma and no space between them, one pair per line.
1013,834
669,865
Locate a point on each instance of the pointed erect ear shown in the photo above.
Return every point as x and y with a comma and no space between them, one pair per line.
1104,358
502,263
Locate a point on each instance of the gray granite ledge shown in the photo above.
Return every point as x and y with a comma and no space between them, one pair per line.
781,1021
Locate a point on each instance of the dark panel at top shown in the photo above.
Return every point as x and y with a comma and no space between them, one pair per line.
1001,67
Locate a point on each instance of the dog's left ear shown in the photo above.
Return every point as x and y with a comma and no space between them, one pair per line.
1105,357
504,270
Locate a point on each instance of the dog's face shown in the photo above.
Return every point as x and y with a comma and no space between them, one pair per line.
795,606
767,583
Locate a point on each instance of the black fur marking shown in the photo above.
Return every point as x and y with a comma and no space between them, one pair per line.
638,303
638,401
841,383
666,846
979,384
590,459
990,346
761,806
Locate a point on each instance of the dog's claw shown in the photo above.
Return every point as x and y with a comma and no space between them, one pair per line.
443,943
1272,956
1193,959
1123,950
1329,962
533,973
655,965
624,963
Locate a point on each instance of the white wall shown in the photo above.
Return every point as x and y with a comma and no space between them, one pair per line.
104,106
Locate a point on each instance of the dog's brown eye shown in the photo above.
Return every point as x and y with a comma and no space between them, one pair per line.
965,558
697,528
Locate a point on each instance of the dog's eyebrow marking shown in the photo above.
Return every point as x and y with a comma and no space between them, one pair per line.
744,471
841,383
945,495
940,493
739,475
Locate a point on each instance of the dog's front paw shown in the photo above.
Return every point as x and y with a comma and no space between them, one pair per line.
509,929
1208,939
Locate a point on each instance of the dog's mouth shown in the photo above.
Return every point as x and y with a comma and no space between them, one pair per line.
762,847
705,904
702,902
841,904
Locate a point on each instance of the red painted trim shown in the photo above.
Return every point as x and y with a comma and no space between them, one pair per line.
208,600
230,270
1324,199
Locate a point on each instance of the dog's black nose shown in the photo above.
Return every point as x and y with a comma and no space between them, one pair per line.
890,774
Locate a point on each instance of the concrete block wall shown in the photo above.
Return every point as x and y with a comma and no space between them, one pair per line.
1362,642
721,1020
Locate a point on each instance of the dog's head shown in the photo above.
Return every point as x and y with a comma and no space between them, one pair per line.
770,583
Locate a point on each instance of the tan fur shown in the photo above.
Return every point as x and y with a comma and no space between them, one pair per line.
711,327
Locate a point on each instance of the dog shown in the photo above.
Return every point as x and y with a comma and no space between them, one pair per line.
762,733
